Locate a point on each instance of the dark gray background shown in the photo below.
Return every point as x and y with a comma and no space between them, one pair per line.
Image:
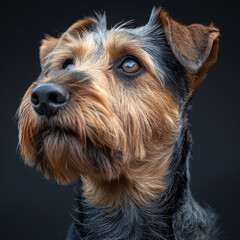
33,208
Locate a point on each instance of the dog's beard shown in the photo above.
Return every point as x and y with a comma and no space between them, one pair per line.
59,155
65,156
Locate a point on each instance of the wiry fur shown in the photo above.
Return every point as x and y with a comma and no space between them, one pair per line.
176,215
125,137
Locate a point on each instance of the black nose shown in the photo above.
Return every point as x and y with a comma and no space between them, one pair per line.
47,98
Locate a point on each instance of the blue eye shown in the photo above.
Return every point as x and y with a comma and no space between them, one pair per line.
68,64
130,66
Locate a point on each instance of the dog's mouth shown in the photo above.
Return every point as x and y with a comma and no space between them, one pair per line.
48,134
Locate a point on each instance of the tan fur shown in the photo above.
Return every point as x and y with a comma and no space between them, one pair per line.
78,27
47,46
146,164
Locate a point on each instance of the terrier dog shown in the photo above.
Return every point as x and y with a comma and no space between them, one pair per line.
109,110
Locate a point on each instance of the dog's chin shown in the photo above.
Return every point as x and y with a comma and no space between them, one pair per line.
60,156
63,157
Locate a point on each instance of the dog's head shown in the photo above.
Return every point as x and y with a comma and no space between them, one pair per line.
108,102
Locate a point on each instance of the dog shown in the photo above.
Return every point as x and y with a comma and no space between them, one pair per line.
109,111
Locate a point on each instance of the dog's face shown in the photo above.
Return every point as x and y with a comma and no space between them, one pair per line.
107,103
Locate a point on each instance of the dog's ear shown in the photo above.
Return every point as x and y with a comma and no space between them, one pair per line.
48,44
194,46
81,25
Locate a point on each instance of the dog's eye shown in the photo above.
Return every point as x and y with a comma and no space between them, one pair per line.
68,64
130,65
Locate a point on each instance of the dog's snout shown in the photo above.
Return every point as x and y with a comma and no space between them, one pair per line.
47,98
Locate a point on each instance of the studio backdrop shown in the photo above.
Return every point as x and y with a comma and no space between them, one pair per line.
34,208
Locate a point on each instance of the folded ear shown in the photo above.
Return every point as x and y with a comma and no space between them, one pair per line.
48,44
79,26
194,46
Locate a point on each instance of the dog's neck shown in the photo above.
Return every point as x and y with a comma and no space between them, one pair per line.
137,221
